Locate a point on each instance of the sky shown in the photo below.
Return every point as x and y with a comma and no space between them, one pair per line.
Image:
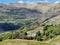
29,1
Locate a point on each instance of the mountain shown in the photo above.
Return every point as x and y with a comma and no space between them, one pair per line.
25,14
39,10
37,22
54,12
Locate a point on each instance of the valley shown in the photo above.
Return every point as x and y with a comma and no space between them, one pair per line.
30,24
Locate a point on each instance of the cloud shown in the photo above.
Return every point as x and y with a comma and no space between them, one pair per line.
27,1
46,0
20,1
43,1
56,2
31,2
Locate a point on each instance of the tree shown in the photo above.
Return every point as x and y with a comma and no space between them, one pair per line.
39,36
38,33
25,33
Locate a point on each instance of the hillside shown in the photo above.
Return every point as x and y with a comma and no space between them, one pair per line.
54,21
22,11
23,42
30,24
54,41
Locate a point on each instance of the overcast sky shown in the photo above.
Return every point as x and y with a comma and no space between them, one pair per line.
28,1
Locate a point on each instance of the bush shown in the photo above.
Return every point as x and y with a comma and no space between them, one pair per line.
30,38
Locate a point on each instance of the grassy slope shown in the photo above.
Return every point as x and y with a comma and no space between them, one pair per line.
57,39
55,20
36,30
54,41
23,42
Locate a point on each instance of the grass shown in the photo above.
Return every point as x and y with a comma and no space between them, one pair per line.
23,42
36,30
54,41
57,39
